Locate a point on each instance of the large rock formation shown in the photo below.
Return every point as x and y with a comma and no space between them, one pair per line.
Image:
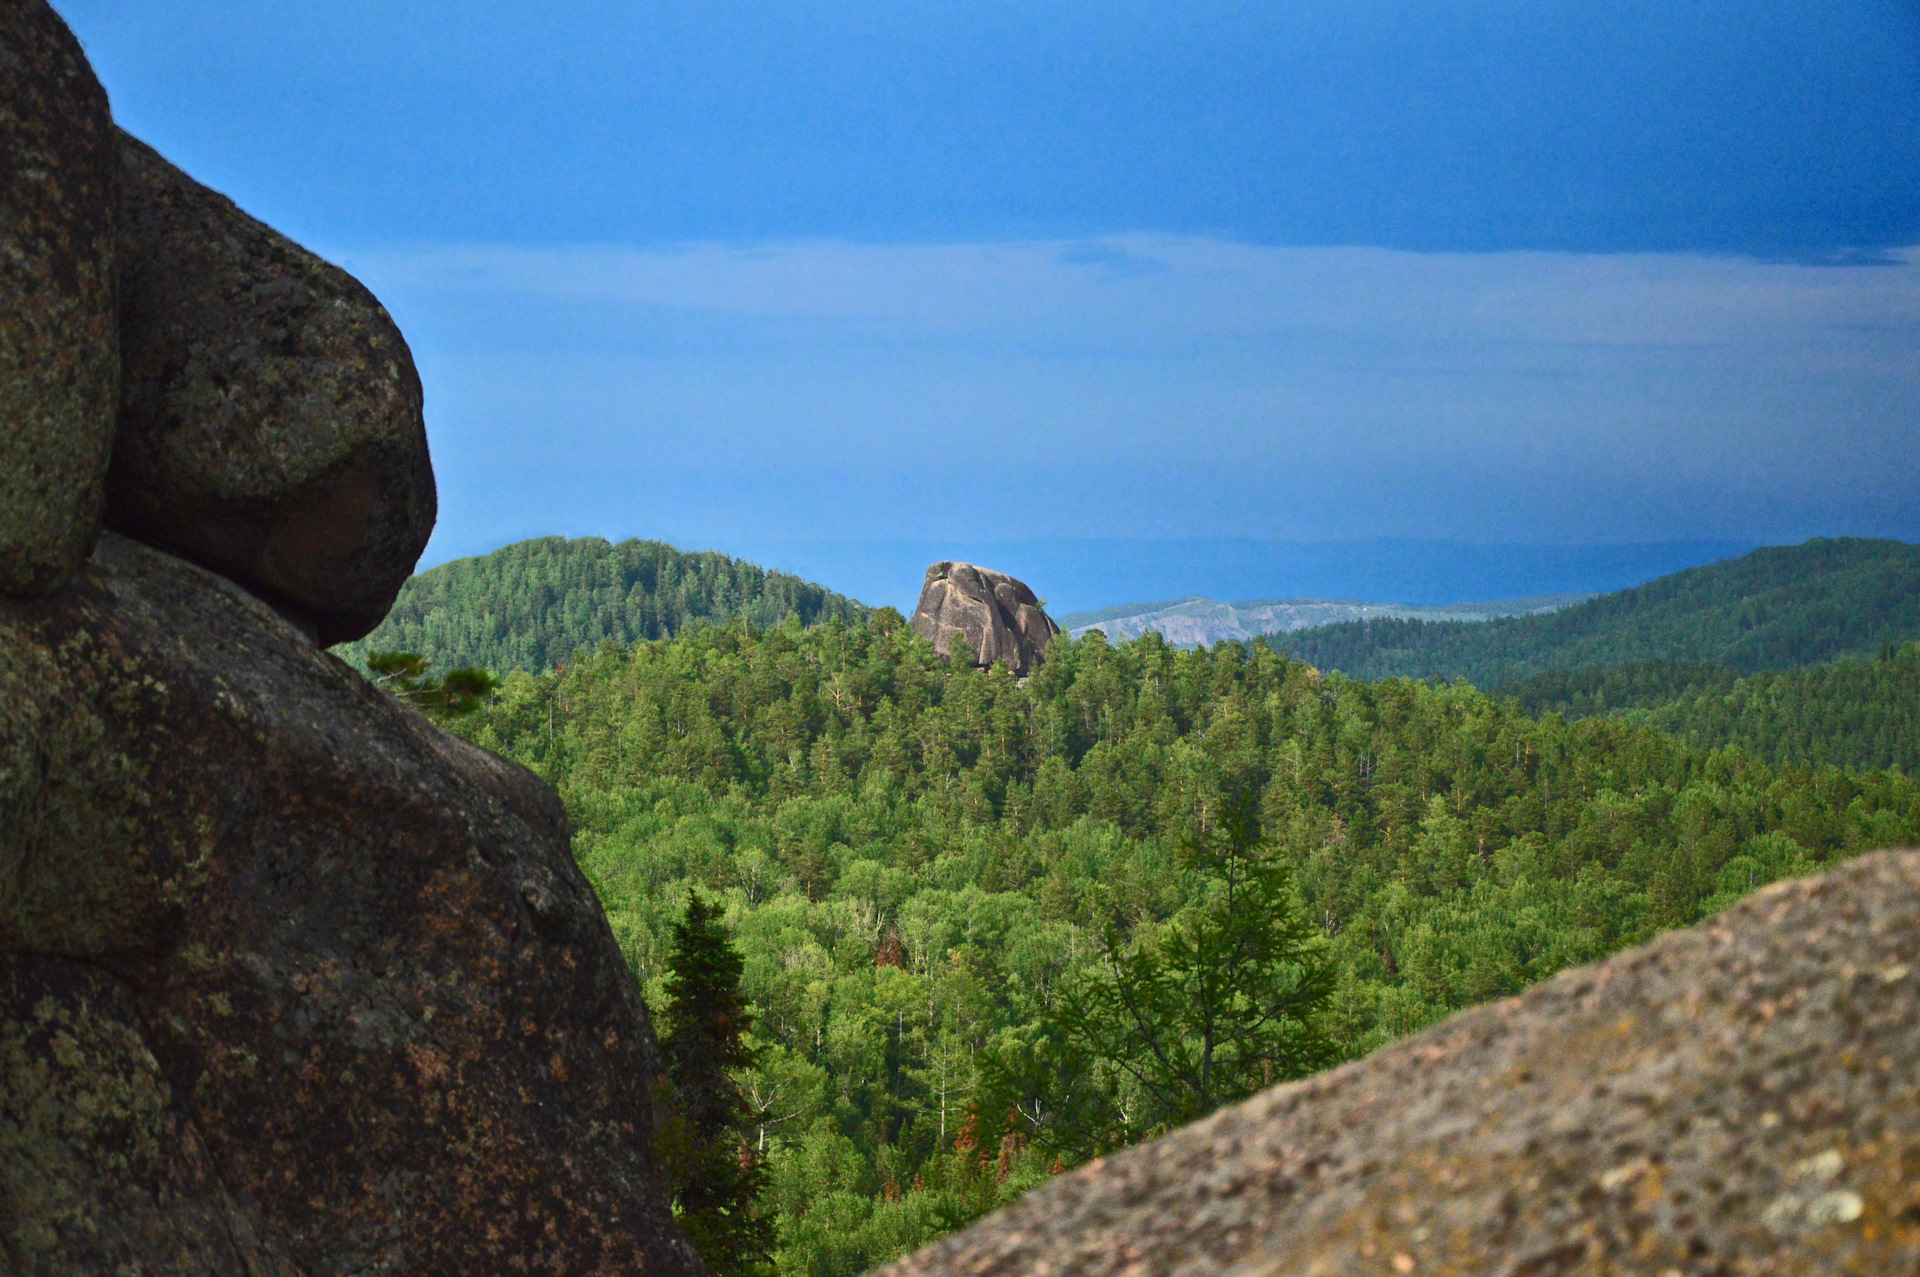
270,423
1740,1098
292,982
286,953
999,617
59,347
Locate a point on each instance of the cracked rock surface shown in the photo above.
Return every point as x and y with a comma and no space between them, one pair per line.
1739,1098
999,617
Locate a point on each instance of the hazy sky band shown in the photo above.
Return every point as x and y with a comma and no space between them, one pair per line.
767,274
1162,386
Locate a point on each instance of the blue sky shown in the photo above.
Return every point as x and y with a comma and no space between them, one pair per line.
782,278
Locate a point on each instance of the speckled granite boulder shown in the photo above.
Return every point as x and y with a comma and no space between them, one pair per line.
1739,1098
270,424
100,1169
314,987
59,344
998,615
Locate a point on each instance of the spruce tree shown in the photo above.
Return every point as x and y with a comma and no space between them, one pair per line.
712,1171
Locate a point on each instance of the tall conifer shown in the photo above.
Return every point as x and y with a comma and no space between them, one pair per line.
713,1172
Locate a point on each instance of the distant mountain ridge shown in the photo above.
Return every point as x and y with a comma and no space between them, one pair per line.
533,604
1201,622
1775,608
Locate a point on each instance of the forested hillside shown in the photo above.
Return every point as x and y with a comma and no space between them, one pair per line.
533,604
1848,713
922,866
1773,609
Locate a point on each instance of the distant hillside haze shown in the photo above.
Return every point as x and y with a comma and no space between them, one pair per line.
1773,609
1198,622
534,604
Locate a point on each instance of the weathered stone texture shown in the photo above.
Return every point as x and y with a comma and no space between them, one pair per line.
270,423
339,962
59,342
1739,1098
999,617
100,1172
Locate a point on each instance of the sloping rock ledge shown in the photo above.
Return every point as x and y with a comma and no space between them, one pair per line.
1739,1098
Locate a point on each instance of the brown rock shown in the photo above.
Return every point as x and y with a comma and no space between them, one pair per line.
317,987
998,616
270,422
1739,1098
59,344
77,1082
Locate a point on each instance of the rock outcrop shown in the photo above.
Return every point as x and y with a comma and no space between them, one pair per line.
59,344
322,967
292,982
270,419
999,617
1739,1098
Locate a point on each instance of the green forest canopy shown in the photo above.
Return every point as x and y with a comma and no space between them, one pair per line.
1848,713
533,604
1773,609
915,860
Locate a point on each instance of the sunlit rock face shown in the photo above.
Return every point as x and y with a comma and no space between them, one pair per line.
1741,1097
998,616
59,335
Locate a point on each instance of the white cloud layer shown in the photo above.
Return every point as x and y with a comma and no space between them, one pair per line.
1158,386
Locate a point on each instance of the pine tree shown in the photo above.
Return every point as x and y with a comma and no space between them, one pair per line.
713,1172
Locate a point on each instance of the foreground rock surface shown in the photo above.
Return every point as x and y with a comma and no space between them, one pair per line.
999,616
291,981
1739,1098
59,344
270,424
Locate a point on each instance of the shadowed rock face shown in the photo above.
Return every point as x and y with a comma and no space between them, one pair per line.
1739,1098
270,425
59,344
290,979
77,1080
998,616
292,983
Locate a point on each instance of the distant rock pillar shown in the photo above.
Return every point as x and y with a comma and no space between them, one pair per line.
998,615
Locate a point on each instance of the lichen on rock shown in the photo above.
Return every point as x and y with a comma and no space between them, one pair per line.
369,975
100,1170
59,336
1740,1097
270,423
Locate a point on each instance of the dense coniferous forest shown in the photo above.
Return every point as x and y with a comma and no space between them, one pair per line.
1848,713
930,871
1773,609
1610,689
533,604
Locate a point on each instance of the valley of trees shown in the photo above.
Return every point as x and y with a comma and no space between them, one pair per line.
535,603
986,929
1773,609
